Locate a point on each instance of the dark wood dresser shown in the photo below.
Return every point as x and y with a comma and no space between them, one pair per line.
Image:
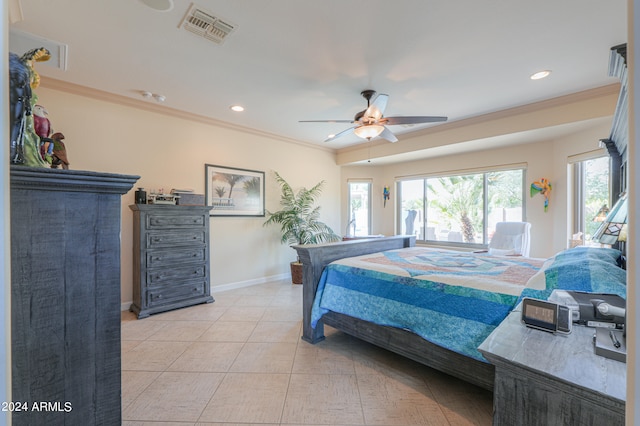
65,296
171,257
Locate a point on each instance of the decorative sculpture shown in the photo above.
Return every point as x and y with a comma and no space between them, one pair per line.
25,143
19,107
42,127
543,186
59,154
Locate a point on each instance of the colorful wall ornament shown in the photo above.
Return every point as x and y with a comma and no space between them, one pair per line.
543,186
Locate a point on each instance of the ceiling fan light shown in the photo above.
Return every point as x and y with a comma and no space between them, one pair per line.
368,131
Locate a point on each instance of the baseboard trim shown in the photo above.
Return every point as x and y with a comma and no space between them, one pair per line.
231,286
249,283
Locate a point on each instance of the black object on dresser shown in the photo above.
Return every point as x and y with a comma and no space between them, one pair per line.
65,296
171,257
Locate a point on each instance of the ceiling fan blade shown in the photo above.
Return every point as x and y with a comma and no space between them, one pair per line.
342,133
376,109
413,120
386,134
325,121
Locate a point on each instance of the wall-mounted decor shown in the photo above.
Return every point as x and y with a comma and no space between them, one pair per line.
234,192
543,186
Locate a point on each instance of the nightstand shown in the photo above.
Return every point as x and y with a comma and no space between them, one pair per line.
547,379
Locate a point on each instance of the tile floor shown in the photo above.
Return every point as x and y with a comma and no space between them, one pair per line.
240,361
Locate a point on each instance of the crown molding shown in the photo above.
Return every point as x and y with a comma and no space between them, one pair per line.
85,91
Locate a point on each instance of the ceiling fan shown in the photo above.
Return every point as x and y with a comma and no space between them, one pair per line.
371,122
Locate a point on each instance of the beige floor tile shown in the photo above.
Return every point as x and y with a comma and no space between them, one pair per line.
243,313
236,424
153,355
229,331
279,313
134,383
127,423
224,298
126,316
248,366
207,357
323,359
323,399
141,329
185,331
279,331
248,398
370,359
202,312
462,404
127,345
174,396
394,401
255,300
257,357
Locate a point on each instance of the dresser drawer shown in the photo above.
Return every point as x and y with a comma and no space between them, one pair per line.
167,295
158,258
169,275
172,239
160,221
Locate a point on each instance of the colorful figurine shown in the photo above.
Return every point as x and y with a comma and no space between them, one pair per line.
59,154
30,140
42,127
386,193
20,106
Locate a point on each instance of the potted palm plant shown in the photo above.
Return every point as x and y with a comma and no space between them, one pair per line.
299,220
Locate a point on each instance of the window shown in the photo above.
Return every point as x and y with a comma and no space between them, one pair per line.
460,209
591,194
359,209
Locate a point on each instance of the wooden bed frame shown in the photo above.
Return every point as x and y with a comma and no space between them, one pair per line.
315,257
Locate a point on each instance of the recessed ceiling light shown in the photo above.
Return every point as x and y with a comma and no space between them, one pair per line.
236,108
159,5
540,74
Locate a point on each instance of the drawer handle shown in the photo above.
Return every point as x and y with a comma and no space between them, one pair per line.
159,296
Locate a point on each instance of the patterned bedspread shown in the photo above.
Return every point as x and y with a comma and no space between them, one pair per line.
450,298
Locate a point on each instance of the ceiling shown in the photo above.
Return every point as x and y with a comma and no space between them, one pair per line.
292,60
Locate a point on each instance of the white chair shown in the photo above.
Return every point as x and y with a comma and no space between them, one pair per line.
511,239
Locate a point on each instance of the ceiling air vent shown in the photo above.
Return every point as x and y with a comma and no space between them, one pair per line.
205,24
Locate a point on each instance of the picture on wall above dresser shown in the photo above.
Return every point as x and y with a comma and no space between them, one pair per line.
234,192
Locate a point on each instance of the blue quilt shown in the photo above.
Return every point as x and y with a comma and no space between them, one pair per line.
453,299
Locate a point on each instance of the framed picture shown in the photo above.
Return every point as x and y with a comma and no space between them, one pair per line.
234,192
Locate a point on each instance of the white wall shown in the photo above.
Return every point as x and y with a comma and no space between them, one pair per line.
544,159
171,152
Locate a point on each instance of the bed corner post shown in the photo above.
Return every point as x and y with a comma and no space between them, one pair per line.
310,278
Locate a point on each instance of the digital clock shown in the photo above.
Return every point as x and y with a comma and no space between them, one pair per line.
545,315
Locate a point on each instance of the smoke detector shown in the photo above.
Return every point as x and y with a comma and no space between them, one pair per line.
206,25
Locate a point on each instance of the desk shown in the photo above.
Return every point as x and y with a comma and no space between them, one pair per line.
546,379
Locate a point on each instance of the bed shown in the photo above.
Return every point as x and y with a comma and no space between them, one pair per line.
431,305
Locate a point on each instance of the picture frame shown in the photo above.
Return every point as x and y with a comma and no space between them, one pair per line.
232,191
